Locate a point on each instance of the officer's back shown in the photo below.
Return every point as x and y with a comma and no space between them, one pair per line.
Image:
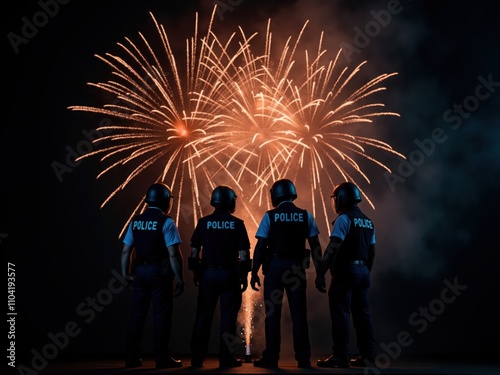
288,230
148,235
219,232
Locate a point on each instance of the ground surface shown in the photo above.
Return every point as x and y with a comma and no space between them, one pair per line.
413,367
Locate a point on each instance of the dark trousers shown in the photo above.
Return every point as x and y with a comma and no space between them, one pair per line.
348,293
215,285
285,275
150,287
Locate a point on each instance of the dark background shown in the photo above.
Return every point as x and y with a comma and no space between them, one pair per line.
439,224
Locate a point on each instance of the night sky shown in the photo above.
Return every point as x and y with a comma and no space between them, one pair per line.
435,275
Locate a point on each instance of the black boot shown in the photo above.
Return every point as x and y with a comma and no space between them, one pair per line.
266,363
168,363
333,361
133,362
229,362
363,362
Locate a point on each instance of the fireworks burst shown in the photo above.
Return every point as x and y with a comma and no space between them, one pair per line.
281,118
231,115
158,111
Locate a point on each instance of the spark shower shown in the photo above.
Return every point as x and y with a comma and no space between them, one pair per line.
226,111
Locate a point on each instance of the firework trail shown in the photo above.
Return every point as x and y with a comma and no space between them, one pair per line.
231,114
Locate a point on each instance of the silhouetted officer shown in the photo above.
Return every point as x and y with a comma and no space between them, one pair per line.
280,249
349,256
152,237
221,273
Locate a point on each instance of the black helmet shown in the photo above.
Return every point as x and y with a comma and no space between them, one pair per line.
223,197
159,195
282,190
345,194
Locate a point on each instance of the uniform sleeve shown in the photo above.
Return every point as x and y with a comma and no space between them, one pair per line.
313,227
341,227
129,236
264,226
171,233
373,240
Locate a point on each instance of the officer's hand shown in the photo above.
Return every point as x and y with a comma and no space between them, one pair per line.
129,280
255,280
243,284
196,279
179,288
320,283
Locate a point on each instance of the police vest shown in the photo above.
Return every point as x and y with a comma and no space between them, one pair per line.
221,236
357,241
289,228
149,240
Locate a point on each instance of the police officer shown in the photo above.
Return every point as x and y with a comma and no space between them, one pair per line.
281,242
220,261
349,257
153,239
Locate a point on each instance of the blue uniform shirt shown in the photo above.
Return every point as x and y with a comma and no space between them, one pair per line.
341,227
170,233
